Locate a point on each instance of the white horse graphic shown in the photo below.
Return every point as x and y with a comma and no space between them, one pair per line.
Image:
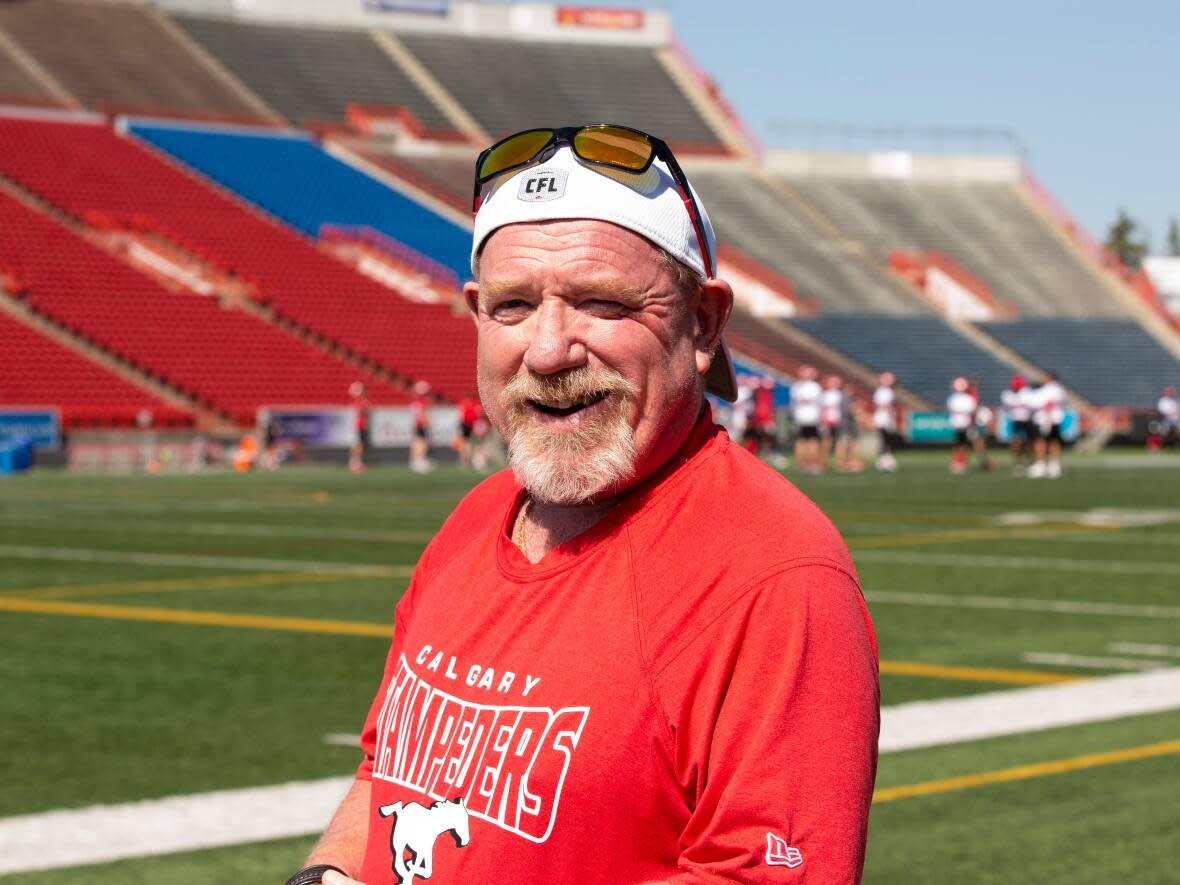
415,830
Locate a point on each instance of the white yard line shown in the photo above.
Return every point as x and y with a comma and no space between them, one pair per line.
1036,708
1151,649
1088,662
1012,603
192,560
105,833
983,560
233,817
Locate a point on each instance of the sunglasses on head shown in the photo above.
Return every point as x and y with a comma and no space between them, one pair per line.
597,144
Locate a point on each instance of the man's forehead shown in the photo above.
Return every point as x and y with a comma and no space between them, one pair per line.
577,238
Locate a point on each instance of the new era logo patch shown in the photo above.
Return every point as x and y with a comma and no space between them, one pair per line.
541,185
780,854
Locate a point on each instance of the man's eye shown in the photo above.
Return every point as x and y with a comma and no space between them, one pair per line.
605,306
511,307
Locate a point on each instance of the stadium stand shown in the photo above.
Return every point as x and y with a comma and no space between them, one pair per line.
986,227
1108,361
84,168
227,360
445,177
770,228
311,73
16,84
119,55
36,370
555,84
293,178
923,351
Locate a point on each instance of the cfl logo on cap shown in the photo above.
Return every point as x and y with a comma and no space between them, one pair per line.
541,185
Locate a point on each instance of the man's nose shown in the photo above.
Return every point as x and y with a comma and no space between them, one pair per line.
554,345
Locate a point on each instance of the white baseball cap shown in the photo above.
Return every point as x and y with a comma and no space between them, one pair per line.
649,204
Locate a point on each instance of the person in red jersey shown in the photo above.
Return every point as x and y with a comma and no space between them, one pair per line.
640,655
470,414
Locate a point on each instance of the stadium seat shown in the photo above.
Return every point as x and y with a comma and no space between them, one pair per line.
85,168
1108,361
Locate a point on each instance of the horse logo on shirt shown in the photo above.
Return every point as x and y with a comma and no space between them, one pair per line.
415,831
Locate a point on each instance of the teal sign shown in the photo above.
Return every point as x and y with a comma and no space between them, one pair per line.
931,427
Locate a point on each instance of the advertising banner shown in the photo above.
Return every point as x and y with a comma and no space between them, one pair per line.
42,427
603,19
316,427
421,7
930,427
392,427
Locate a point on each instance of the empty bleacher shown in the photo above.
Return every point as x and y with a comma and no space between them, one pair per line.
293,178
744,210
119,54
227,360
16,84
84,168
447,177
1107,361
36,370
985,227
508,85
923,351
311,73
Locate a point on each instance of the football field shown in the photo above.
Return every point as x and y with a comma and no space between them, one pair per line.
207,639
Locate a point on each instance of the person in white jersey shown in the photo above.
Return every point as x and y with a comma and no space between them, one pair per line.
831,404
805,412
961,406
1048,415
885,420
1018,411
1169,424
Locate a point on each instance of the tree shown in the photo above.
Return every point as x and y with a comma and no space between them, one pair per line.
1174,238
1122,240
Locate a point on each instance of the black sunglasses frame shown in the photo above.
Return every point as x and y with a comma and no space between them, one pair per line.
565,135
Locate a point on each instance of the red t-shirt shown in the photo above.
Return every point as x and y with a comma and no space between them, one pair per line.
686,691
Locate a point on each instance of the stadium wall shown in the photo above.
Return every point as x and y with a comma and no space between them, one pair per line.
524,21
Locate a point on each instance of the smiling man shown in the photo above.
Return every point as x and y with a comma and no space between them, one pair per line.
640,655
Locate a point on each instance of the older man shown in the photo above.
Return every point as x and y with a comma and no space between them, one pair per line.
640,655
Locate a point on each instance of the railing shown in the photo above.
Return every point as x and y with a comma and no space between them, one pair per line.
439,275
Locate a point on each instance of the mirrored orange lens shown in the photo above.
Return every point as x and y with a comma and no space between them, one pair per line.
516,151
614,146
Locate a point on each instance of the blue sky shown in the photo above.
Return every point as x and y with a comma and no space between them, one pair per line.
1092,89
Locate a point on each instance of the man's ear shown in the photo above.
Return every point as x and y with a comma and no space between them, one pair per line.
712,313
471,296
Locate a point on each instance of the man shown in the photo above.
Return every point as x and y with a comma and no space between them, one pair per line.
640,655
805,408
360,416
885,420
961,406
420,417
1017,409
1049,415
1169,421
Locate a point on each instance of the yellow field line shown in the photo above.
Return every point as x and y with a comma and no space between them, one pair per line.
197,618
975,674
1025,772
66,591
950,536
369,628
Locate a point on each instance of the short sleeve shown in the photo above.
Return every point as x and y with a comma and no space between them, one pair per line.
773,713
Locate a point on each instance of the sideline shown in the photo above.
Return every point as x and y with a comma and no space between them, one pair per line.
193,560
984,560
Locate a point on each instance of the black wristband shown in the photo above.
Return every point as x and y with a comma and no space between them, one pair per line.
313,875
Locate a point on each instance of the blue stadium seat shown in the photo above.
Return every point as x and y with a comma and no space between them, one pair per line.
293,178
923,351
1109,362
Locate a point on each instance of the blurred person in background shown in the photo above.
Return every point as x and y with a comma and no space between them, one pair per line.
469,415
961,407
805,413
1017,407
360,443
1048,414
1168,408
885,420
420,417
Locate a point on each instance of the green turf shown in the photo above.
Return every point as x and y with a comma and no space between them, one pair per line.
101,710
